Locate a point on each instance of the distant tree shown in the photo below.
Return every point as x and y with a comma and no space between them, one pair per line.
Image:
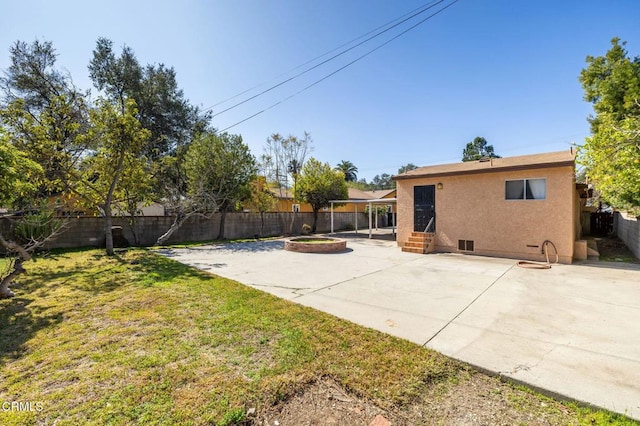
283,158
478,149
282,161
349,169
382,181
407,168
318,185
361,184
612,154
261,199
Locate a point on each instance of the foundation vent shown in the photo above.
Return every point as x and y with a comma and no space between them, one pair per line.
465,245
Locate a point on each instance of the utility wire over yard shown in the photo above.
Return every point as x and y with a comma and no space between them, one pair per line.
357,59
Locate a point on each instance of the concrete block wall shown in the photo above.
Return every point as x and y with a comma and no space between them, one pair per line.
627,228
89,231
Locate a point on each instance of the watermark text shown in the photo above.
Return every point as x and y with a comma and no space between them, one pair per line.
21,406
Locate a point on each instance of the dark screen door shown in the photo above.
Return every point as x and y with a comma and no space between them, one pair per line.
424,198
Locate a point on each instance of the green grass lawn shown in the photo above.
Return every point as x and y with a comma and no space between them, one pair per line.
139,338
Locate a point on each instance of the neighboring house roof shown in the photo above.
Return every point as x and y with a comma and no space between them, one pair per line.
381,193
354,194
358,194
523,162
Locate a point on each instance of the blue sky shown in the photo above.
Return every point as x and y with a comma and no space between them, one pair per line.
506,70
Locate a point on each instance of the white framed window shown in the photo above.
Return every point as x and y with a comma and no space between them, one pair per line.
526,189
295,208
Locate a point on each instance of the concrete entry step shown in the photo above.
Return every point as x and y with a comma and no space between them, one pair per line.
411,244
419,242
413,250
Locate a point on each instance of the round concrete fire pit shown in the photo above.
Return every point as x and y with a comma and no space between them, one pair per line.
315,245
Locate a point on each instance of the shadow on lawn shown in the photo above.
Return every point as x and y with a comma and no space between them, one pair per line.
19,323
155,268
98,273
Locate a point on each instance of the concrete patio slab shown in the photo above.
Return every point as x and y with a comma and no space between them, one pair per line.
572,330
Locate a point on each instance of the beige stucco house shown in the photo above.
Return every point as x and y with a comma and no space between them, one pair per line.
503,207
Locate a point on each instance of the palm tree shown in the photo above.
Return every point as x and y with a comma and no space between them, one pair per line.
349,169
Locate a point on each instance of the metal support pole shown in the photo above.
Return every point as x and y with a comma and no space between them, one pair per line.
376,218
393,221
355,209
332,217
370,213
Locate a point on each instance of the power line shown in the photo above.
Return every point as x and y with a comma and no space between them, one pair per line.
343,67
320,56
325,61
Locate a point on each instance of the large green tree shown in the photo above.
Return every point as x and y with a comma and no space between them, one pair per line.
477,149
162,109
218,169
19,181
161,105
19,175
612,153
44,114
119,139
318,184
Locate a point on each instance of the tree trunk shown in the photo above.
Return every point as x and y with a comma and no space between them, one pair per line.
315,220
293,221
107,205
223,216
132,221
108,233
17,269
261,223
177,223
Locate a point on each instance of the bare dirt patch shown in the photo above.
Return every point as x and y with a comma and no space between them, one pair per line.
323,402
475,400
613,249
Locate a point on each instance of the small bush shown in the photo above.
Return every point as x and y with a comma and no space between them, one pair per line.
306,229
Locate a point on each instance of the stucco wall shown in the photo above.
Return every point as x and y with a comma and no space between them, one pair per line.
627,228
473,207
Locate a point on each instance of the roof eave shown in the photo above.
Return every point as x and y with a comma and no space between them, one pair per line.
486,170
